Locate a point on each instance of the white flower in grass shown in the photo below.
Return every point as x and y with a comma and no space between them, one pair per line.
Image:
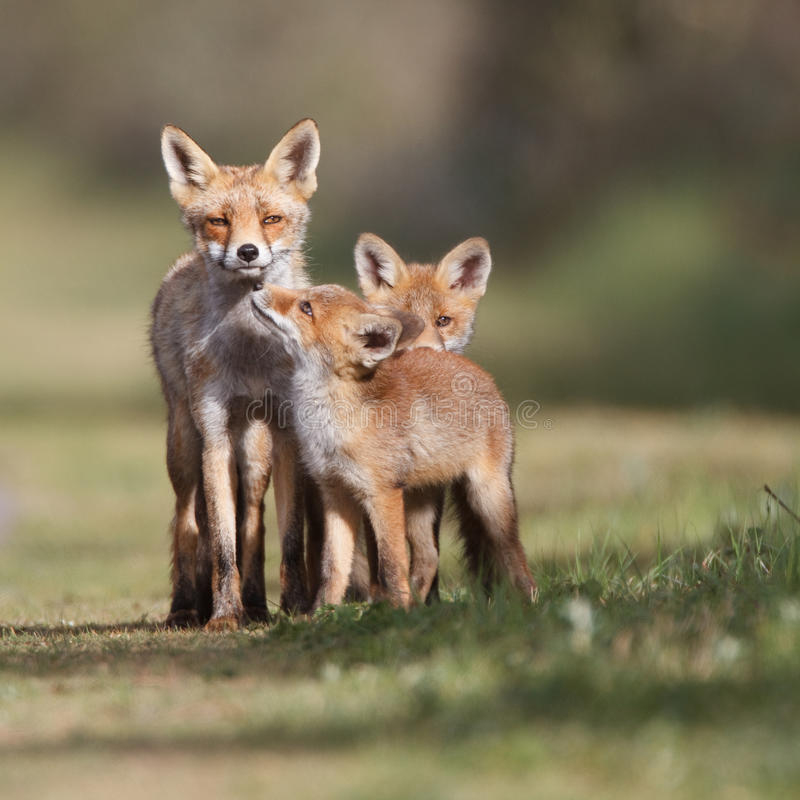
727,649
579,614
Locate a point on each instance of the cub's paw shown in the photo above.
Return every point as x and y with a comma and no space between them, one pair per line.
183,618
295,604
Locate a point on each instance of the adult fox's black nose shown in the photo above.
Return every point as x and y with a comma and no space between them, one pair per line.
247,252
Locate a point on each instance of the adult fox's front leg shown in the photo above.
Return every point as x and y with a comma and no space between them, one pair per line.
219,483
253,458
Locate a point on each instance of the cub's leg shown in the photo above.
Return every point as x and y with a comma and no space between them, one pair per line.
360,587
475,539
433,594
423,510
342,516
387,516
289,501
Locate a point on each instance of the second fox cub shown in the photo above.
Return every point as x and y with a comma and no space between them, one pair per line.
355,404
445,296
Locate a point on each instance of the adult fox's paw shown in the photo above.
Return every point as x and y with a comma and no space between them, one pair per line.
183,618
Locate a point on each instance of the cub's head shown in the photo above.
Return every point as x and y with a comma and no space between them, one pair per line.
444,295
246,221
331,329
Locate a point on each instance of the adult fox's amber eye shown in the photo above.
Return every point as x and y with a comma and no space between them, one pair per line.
305,307
443,320
272,219
220,221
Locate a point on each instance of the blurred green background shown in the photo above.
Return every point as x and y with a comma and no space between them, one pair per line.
634,165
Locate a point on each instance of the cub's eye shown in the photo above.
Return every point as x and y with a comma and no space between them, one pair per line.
219,221
305,307
271,219
443,320
258,286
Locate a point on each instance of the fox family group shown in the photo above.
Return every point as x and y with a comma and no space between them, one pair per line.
237,319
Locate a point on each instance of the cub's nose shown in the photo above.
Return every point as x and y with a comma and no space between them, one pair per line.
247,252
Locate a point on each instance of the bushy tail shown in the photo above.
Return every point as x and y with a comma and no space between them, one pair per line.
489,531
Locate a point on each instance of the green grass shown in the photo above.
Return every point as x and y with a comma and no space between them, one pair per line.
660,658
613,681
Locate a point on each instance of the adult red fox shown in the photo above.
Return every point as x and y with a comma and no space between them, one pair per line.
372,426
248,225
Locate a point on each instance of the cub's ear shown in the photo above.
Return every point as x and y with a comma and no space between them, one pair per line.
377,264
467,266
294,159
412,325
188,165
376,338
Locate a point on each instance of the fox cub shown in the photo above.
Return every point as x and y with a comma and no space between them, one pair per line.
248,225
445,296
372,426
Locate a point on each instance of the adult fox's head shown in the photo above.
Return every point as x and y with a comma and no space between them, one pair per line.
444,295
247,221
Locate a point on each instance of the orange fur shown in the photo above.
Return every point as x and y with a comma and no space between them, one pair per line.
427,403
445,296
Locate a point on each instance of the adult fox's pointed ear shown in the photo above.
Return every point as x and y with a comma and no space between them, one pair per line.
377,264
467,266
376,338
189,166
294,159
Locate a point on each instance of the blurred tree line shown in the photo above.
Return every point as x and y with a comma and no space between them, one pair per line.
441,120
505,114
